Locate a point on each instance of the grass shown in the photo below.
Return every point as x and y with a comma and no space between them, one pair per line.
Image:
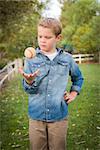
84,112
13,117
84,125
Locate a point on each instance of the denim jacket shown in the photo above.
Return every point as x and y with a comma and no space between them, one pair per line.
46,94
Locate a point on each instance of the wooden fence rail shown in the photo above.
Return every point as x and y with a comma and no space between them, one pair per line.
9,71
83,57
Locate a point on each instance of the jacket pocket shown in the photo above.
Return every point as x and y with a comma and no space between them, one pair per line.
62,68
40,66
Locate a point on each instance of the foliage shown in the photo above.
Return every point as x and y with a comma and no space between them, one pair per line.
18,26
80,19
95,33
18,20
81,39
84,112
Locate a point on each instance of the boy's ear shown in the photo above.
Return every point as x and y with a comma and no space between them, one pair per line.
59,37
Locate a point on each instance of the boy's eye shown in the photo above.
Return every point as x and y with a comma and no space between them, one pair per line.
40,36
48,37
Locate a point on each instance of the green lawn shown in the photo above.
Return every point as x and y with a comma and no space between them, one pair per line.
84,112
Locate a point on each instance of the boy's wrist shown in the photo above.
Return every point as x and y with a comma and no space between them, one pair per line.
74,93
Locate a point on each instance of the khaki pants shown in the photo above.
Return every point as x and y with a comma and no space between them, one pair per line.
47,136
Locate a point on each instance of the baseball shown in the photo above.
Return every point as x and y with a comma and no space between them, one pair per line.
30,52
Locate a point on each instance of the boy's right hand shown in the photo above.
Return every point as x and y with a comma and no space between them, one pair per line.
29,77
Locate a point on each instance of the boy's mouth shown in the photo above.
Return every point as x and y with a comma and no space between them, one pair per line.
42,45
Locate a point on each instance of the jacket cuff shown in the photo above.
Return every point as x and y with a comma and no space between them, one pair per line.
28,85
75,88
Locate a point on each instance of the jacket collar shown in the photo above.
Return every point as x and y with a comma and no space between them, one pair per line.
39,51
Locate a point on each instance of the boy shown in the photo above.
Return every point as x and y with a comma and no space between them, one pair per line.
45,80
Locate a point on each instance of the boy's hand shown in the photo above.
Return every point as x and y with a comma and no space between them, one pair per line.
69,97
29,77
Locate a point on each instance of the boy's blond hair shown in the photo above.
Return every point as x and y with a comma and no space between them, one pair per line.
51,23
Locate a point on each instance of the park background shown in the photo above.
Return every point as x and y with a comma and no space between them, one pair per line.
81,35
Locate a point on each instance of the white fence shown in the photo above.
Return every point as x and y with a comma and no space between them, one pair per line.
9,71
83,57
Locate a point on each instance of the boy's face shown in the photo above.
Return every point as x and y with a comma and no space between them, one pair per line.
47,39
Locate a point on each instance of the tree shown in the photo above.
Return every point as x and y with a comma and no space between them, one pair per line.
18,21
81,24
95,33
81,39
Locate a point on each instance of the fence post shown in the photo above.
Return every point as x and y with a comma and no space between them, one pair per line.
80,59
18,63
8,70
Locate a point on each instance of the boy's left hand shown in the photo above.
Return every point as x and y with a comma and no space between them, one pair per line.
69,97
29,77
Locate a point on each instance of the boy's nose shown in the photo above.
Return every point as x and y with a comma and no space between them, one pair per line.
42,40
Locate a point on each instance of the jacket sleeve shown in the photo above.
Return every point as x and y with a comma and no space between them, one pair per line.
76,77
